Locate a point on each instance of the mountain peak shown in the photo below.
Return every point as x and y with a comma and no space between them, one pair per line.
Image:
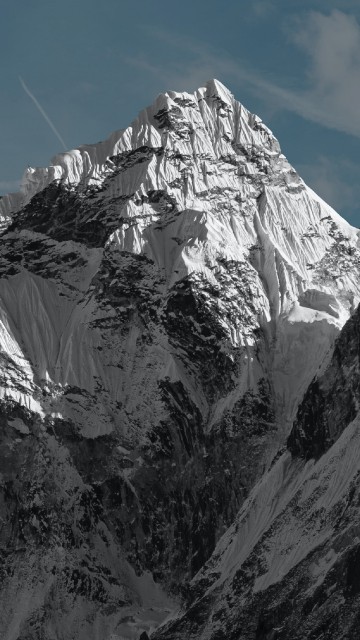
216,88
179,114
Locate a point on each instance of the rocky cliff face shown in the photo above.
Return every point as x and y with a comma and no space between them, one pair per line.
166,297
289,565
331,402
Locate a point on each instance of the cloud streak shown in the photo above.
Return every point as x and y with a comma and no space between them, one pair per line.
331,68
262,8
7,186
43,113
337,179
332,45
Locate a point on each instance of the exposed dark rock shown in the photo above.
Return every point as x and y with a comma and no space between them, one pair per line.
63,214
127,159
331,402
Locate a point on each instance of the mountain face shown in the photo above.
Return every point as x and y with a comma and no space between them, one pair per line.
166,299
289,566
331,402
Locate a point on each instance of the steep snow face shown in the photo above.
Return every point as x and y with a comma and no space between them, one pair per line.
166,297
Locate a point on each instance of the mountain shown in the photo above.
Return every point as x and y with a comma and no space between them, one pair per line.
167,297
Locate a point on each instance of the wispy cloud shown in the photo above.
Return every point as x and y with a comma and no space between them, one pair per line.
332,46
43,112
335,179
198,63
8,186
262,8
331,70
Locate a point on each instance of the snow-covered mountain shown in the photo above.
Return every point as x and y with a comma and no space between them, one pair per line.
166,298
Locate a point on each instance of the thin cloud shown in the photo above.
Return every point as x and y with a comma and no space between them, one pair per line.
331,48
6,186
200,63
43,112
262,8
336,180
332,45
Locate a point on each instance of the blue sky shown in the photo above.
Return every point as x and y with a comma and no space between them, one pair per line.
93,66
